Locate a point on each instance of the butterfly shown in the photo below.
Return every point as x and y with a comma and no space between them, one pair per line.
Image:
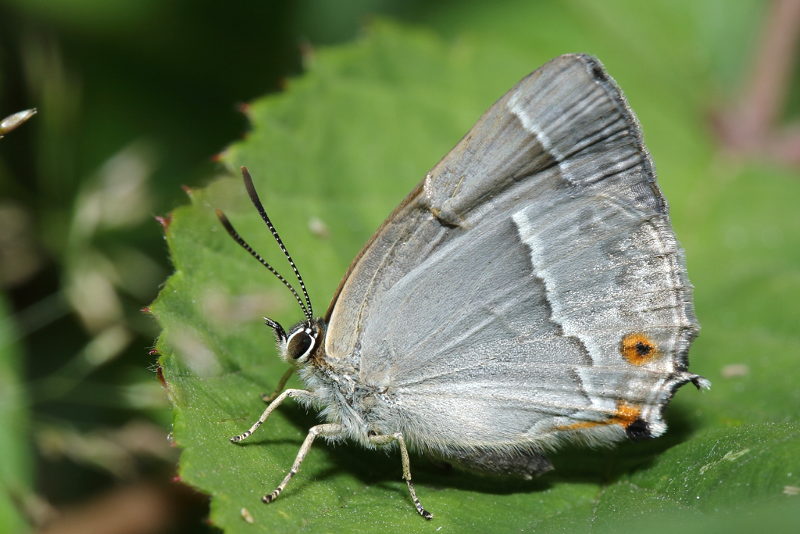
528,293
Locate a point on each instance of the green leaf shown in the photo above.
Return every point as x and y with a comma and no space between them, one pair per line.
15,456
331,156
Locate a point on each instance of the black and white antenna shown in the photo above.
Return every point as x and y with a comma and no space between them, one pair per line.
251,191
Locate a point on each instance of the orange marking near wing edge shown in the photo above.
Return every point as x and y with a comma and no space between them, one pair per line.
638,349
625,415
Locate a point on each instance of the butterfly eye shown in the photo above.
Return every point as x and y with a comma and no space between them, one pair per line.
300,345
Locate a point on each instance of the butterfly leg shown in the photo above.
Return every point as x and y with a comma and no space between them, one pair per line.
281,384
398,437
330,429
282,397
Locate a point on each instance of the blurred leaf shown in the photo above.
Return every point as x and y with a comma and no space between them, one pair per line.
93,15
15,458
342,146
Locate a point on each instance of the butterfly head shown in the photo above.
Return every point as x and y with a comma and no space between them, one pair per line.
301,342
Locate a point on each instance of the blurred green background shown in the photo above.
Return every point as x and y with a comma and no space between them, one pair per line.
135,99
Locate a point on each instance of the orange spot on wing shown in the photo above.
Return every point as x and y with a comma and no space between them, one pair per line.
638,349
624,416
581,425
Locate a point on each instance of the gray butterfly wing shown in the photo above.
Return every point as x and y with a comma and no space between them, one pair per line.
531,289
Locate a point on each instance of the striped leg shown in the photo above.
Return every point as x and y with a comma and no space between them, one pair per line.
281,384
398,437
329,429
282,397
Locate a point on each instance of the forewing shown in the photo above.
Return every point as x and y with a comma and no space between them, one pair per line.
532,285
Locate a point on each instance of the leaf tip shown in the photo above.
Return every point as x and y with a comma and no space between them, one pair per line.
161,379
244,108
164,221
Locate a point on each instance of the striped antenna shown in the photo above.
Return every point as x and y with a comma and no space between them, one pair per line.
251,190
236,237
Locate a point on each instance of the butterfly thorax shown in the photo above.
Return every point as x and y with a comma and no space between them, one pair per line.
341,397
338,391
